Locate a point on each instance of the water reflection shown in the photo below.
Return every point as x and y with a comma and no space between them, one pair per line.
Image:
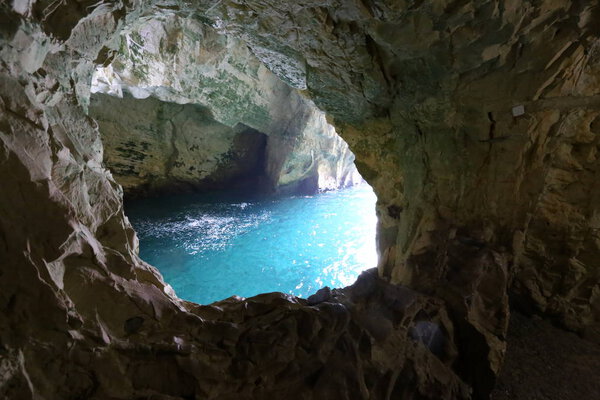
211,248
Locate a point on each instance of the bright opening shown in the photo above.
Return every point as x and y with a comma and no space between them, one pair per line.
210,247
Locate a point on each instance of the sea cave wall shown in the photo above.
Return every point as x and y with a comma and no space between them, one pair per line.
152,146
476,123
182,61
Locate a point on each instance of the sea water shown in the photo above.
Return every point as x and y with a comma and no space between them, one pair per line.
210,247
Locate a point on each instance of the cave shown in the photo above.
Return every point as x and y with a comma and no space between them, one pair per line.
476,123
224,167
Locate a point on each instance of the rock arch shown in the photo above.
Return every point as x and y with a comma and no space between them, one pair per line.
475,122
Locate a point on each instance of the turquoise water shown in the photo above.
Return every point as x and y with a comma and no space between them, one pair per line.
212,247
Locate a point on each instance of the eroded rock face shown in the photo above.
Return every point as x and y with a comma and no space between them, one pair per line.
475,123
183,61
152,145
439,93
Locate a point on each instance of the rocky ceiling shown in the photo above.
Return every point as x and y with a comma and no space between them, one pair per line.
476,122
182,62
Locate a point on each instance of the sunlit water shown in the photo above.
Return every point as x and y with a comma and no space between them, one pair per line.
212,247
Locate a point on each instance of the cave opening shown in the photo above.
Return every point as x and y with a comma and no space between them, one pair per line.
234,181
212,245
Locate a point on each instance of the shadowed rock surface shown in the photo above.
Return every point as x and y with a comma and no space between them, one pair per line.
476,123
544,362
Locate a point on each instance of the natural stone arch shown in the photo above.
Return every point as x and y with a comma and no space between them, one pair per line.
436,83
164,65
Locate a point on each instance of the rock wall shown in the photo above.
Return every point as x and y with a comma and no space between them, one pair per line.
180,60
152,145
475,122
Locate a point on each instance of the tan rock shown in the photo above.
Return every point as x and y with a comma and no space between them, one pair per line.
476,202
182,61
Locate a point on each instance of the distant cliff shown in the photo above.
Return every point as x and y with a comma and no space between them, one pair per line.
188,109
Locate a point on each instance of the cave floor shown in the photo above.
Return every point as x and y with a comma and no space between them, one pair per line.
547,363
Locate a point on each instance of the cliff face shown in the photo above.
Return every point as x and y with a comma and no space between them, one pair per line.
181,61
475,122
150,145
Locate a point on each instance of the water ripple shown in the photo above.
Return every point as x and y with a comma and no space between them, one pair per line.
211,250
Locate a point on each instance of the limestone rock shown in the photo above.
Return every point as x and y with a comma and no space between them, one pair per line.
182,61
151,145
476,202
